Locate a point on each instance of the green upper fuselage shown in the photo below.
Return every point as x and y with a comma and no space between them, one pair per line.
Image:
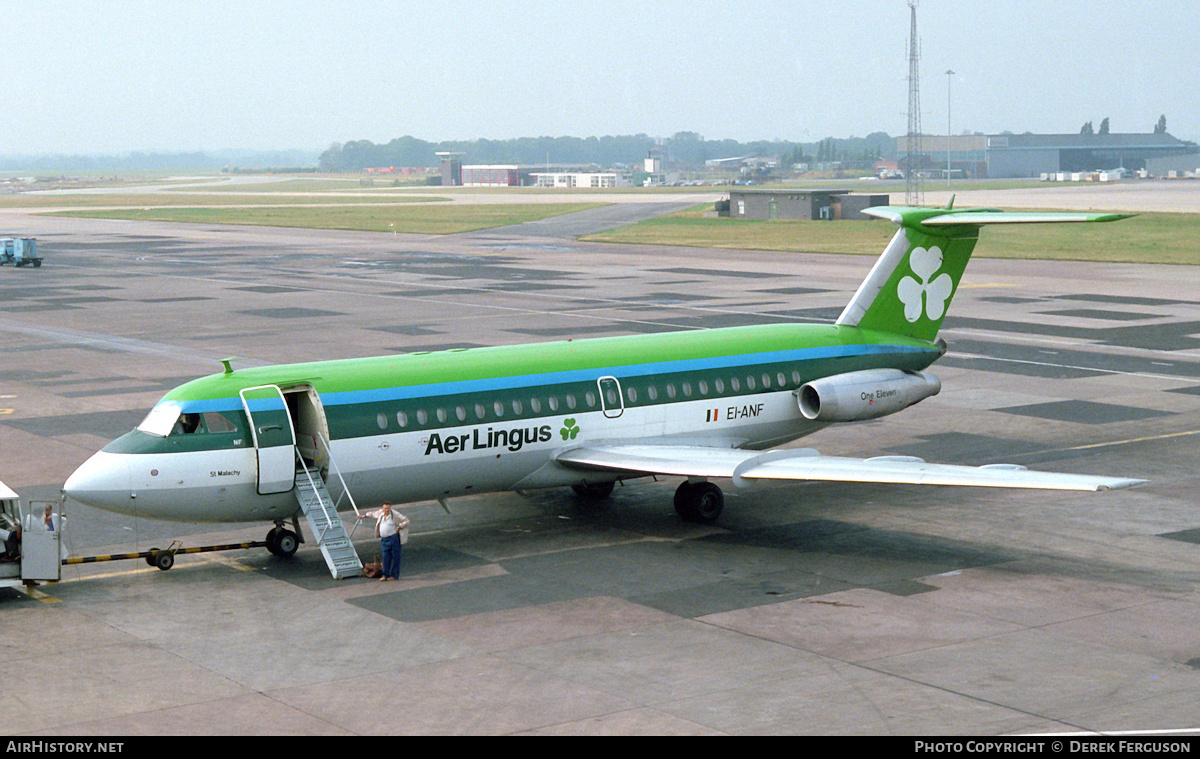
413,391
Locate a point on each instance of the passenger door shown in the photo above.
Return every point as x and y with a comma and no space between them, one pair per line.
611,400
274,438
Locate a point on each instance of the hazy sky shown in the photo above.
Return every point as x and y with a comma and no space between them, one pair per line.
115,76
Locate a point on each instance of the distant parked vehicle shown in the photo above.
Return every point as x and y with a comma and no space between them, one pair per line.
20,251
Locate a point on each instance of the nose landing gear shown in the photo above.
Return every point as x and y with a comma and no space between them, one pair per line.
281,541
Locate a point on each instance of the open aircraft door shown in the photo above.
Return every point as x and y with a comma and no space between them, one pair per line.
274,438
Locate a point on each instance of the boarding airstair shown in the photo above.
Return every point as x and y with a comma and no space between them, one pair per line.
321,511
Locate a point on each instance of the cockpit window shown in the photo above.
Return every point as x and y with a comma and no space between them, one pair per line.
187,424
198,424
217,423
161,420
166,420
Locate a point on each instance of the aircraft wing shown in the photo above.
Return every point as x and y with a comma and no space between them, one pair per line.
807,464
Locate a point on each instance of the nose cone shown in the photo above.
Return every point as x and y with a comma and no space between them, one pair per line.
102,482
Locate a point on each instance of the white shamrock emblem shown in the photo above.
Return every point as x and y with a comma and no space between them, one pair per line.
928,295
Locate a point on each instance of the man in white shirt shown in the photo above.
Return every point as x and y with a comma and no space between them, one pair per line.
392,529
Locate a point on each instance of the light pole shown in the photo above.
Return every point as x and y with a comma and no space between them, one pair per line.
949,73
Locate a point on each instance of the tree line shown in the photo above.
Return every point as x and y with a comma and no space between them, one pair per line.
152,161
682,149
1087,128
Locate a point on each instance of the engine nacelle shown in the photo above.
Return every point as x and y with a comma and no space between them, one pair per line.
868,394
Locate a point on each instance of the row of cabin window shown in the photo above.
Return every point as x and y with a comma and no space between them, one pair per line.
478,412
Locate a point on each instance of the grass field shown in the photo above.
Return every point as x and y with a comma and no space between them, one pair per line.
184,198
1161,238
435,219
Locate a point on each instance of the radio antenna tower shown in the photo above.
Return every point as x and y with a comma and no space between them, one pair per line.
914,185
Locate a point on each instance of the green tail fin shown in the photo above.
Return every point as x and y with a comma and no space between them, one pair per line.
911,285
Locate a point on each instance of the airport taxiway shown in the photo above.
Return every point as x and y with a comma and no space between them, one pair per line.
808,609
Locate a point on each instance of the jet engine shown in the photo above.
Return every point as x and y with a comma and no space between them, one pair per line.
869,394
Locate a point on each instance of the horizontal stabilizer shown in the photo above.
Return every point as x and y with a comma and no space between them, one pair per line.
1009,217
808,465
976,217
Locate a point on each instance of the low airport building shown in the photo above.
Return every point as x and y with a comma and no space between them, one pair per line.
798,205
566,179
491,176
456,174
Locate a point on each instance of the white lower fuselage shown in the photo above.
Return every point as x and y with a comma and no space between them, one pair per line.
404,467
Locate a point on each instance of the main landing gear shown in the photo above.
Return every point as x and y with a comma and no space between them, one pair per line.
281,541
699,502
593,491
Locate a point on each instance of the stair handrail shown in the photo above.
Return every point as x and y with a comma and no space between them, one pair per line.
345,551
329,520
336,471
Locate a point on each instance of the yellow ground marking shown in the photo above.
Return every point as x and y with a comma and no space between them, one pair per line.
1146,439
38,595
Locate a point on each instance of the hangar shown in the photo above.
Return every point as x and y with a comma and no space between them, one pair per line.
1030,155
1170,167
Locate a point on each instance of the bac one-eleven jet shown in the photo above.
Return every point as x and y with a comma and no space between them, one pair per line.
701,405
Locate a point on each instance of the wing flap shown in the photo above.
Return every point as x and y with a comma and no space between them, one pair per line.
808,465
680,460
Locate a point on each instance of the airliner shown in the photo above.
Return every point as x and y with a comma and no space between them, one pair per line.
701,405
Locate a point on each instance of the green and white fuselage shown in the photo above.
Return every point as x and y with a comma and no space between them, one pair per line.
699,404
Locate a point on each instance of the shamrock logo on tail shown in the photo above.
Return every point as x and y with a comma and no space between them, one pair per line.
569,430
928,295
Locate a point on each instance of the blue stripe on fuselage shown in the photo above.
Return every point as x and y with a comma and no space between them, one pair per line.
489,384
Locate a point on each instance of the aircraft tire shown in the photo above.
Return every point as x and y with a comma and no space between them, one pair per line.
683,495
707,503
286,544
700,502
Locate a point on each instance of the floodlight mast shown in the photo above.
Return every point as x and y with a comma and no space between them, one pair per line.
949,75
914,190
